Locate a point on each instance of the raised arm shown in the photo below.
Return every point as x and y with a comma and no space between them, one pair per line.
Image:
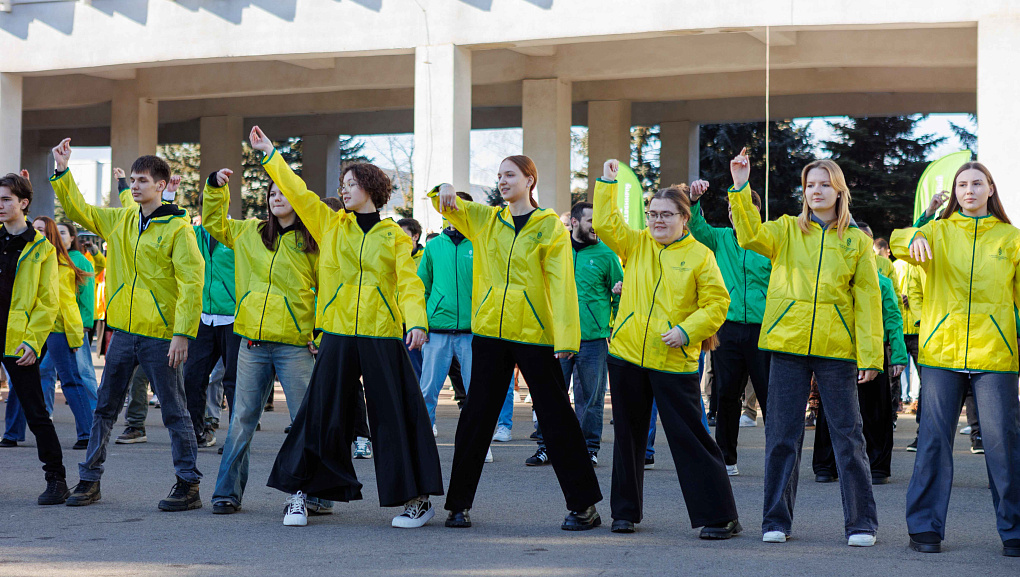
763,239
558,265
607,218
101,221
465,216
703,232
215,207
316,216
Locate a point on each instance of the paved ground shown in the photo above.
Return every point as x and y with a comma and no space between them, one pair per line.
516,517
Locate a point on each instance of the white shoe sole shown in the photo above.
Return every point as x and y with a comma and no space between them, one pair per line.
488,456
502,438
774,537
295,520
131,441
732,470
861,540
402,522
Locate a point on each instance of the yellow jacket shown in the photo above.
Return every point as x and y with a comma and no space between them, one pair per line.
154,277
906,273
664,286
277,287
360,275
824,299
34,300
972,285
523,286
68,320
885,266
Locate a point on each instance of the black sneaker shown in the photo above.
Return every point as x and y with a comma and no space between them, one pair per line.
976,446
183,497
225,508
132,435
826,478
56,492
538,459
927,542
1011,548
581,520
649,463
8,443
81,445
458,519
912,447
85,493
721,530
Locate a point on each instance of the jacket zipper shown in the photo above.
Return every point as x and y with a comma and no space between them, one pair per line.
814,305
970,293
456,280
743,265
266,303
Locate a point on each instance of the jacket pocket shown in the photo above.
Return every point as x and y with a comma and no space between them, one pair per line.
383,297
842,320
620,326
786,310
435,307
330,300
533,311
229,294
158,310
593,317
297,327
485,298
237,309
109,301
998,328
935,330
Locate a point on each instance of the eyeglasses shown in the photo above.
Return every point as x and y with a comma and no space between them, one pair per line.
345,188
652,215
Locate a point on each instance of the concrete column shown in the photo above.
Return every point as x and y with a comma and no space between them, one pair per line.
321,163
442,125
608,136
220,144
134,124
679,155
10,122
38,160
998,91
546,122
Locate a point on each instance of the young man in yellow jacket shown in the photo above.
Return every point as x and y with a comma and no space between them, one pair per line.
28,307
155,278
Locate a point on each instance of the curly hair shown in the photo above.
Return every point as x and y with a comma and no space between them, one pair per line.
372,180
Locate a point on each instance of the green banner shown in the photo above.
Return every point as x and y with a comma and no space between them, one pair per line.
630,197
938,177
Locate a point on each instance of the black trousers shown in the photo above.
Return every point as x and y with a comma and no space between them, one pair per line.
874,398
736,358
699,462
25,383
210,345
316,455
492,367
457,381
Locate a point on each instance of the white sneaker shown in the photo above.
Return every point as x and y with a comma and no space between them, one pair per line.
774,537
502,435
861,540
435,432
295,514
732,470
417,512
488,456
746,421
362,448
966,430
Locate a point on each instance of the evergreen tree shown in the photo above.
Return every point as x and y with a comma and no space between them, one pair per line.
644,155
185,161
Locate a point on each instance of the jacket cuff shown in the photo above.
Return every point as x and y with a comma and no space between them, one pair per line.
269,157
600,179
731,189
58,174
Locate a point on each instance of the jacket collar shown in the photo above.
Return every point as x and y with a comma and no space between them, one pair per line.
959,216
824,225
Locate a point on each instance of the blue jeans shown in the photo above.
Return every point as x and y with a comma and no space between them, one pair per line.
932,481
127,351
437,354
255,369
650,449
506,414
789,386
81,397
591,375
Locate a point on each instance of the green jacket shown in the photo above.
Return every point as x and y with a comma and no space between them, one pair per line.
218,295
87,292
596,271
745,272
892,320
446,269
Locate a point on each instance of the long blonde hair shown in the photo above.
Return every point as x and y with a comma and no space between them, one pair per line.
842,202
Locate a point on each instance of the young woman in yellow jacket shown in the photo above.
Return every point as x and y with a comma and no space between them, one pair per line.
525,313
971,256
368,290
823,315
674,300
28,307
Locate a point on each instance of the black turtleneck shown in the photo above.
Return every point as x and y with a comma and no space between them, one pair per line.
521,220
366,220
454,235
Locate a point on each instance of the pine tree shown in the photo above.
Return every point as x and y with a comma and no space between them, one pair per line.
185,161
644,155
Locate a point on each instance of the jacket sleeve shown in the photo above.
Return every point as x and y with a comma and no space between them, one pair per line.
915,292
752,234
892,321
925,219
615,276
703,232
558,265
316,216
608,220
713,302
215,206
868,312
70,316
425,272
98,220
902,238
46,306
468,219
410,290
189,270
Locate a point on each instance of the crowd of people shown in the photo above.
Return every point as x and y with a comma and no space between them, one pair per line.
362,326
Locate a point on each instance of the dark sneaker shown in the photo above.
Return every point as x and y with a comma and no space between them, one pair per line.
56,492
928,542
912,447
225,508
8,443
85,493
81,445
132,435
581,520
649,463
539,458
721,531
458,519
206,440
1011,548
622,526
976,446
183,497
826,478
